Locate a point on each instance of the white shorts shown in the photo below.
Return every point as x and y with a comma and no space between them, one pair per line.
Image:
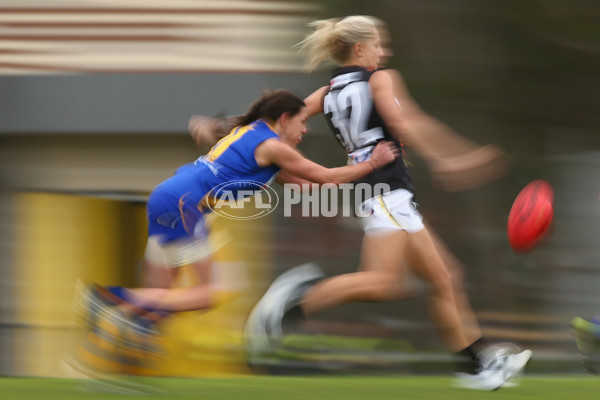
394,210
177,253
184,251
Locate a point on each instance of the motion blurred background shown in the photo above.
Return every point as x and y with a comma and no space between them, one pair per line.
95,100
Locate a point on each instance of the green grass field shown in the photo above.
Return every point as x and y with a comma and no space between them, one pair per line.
547,387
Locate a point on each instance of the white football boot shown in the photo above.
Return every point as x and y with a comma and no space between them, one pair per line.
500,368
263,328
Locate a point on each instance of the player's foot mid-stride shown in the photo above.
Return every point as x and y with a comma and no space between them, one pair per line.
587,337
115,337
501,365
263,328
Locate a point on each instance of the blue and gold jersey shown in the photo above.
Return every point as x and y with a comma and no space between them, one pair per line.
229,164
233,155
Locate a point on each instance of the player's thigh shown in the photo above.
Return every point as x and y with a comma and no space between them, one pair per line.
452,263
203,270
157,276
392,218
158,272
425,260
384,252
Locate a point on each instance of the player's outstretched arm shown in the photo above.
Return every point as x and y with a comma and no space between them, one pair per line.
275,152
207,131
455,163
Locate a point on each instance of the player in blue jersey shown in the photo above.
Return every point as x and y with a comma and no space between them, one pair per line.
120,323
259,150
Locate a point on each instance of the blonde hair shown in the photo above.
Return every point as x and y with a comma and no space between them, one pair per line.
332,39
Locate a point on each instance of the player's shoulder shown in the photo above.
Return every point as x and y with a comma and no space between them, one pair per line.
394,74
271,151
380,78
382,73
272,143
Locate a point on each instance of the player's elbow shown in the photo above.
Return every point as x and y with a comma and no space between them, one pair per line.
329,180
401,131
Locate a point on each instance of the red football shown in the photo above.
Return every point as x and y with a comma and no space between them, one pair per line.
530,216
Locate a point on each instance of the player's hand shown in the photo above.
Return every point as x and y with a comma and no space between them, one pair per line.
384,153
205,131
470,169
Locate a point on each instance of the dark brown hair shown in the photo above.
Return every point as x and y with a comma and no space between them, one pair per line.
272,105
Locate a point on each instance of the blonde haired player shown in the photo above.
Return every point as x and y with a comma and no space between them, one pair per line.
365,104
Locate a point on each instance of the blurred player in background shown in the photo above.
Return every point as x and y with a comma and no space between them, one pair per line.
587,336
364,105
260,150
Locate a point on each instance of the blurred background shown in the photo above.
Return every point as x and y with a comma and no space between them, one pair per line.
95,100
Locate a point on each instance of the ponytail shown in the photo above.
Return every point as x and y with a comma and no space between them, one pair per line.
333,39
272,105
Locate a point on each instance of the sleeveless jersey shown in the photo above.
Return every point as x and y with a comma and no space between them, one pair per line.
230,160
352,117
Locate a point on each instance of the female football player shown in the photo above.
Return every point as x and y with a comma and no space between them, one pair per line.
362,107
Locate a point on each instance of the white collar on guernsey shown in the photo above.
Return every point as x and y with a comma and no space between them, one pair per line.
344,79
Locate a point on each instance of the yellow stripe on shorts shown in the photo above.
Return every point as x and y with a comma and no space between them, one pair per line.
387,212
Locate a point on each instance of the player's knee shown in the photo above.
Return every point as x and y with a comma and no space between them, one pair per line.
442,284
457,276
385,287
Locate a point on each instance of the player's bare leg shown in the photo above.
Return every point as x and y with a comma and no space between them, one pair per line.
420,256
377,280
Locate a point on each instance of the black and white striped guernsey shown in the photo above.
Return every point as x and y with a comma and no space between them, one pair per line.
352,117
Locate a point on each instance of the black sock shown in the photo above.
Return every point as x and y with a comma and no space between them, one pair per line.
467,360
294,317
469,357
480,344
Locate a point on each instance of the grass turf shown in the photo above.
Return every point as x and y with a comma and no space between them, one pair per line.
548,387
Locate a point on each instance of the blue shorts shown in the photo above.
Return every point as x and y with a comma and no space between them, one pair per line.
173,217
